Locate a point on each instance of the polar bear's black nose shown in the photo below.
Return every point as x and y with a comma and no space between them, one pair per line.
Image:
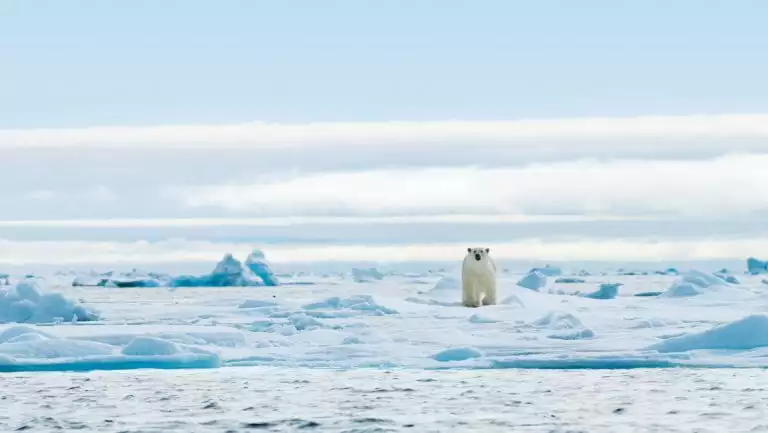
477,256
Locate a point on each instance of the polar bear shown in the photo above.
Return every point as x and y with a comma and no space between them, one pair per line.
478,278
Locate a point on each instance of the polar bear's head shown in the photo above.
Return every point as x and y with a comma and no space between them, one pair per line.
478,254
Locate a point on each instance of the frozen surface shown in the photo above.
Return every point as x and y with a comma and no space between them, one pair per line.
756,266
534,280
369,274
268,399
548,271
257,263
230,272
400,319
27,302
606,291
369,350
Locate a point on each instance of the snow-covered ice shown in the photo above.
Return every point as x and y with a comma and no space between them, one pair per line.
534,280
364,275
388,320
25,302
605,291
263,356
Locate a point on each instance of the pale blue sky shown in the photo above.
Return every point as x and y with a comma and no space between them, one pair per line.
82,63
628,188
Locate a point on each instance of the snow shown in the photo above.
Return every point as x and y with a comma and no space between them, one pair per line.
695,283
28,349
558,320
744,334
407,319
447,282
148,346
365,303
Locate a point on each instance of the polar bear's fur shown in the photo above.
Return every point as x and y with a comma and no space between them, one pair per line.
478,278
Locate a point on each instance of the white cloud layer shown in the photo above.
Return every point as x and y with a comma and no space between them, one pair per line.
128,223
175,251
724,187
647,137
591,168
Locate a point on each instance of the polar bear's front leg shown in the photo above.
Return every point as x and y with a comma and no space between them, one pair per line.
490,293
490,298
469,293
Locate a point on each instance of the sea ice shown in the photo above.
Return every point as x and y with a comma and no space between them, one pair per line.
27,303
570,280
533,281
744,334
361,275
257,263
694,283
606,291
394,322
230,272
28,349
457,354
755,266
548,271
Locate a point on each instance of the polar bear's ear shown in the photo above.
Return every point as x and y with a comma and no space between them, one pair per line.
487,250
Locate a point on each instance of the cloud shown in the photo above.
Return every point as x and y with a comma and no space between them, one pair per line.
724,187
176,251
127,223
214,170
686,137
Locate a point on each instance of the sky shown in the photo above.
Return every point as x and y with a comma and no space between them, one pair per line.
549,130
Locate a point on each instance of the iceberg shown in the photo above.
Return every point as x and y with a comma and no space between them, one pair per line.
27,303
724,275
257,263
755,266
570,280
457,354
533,281
693,283
134,278
606,291
548,271
366,275
747,333
230,272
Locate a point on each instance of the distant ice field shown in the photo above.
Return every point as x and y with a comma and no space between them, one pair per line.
366,318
